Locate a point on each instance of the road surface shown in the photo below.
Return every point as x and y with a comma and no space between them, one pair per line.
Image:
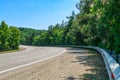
29,56
74,64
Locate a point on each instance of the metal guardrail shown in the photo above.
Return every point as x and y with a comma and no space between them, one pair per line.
113,68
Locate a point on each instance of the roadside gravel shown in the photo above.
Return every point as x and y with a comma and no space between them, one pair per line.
74,64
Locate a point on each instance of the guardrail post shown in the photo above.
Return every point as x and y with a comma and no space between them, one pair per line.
117,58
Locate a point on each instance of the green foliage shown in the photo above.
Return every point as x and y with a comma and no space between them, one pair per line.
14,40
9,37
27,35
55,35
40,39
4,36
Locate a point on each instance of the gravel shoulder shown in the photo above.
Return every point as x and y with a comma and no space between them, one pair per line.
74,64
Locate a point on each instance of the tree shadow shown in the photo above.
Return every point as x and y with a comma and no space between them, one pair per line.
77,51
71,78
92,59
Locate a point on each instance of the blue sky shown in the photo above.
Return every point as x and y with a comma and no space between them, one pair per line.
38,14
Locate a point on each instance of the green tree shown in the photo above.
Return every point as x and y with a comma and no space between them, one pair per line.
1,39
9,37
14,40
40,39
55,34
4,36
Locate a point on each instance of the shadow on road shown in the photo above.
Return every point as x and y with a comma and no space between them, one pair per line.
71,78
92,59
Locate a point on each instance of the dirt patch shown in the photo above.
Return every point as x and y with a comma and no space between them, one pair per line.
74,64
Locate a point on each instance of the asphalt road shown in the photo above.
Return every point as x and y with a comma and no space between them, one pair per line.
27,57
74,64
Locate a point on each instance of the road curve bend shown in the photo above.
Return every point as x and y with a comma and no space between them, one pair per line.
29,56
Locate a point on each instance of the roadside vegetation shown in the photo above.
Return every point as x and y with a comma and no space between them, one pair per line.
96,24
9,37
12,50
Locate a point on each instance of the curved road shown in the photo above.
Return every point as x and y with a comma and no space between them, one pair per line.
27,57
74,64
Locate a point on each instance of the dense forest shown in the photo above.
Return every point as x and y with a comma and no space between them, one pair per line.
96,24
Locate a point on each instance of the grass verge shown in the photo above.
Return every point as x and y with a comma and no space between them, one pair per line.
15,50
